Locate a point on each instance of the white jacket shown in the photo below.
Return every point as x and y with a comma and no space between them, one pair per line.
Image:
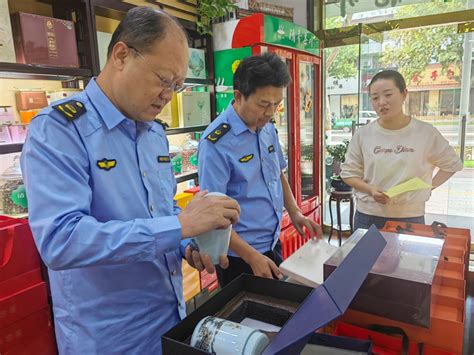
385,158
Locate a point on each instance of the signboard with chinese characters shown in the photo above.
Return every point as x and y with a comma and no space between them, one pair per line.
263,29
287,34
349,7
434,76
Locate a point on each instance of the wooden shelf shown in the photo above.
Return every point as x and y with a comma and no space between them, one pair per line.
30,71
172,131
11,148
186,177
117,9
199,82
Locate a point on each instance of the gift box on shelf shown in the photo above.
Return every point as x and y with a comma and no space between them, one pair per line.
6,115
5,137
18,133
27,116
54,95
169,114
44,40
196,64
299,310
194,108
7,49
30,100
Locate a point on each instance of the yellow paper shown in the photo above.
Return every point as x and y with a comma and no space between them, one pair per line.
410,185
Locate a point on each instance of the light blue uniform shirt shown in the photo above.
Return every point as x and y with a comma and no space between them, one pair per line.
111,238
246,166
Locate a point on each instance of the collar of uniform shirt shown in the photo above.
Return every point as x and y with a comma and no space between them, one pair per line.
106,109
237,125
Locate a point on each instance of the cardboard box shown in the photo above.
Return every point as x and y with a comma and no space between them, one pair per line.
103,41
5,137
196,64
6,115
194,108
7,49
18,133
399,285
299,309
30,100
169,114
44,40
54,95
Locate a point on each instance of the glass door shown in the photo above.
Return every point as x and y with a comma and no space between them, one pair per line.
308,107
439,76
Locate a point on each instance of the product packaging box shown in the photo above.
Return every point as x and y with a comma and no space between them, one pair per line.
194,108
399,285
55,95
30,100
169,114
7,49
6,115
5,137
44,40
299,310
18,133
196,64
103,41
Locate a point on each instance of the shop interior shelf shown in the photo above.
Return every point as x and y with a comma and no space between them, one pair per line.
11,148
30,71
199,82
181,130
186,176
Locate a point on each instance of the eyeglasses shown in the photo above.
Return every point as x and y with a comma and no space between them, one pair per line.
166,83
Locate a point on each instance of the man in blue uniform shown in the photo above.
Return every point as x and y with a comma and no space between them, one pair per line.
100,188
240,155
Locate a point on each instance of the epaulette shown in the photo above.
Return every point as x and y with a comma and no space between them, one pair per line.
163,123
218,133
71,109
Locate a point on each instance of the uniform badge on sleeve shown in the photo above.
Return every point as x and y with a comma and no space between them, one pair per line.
71,109
107,164
271,149
246,158
218,133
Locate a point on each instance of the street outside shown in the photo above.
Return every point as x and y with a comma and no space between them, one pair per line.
449,130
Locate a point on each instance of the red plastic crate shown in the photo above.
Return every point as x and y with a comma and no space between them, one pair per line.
23,303
18,253
31,335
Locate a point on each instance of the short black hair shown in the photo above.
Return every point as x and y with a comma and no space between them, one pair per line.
260,71
390,74
142,27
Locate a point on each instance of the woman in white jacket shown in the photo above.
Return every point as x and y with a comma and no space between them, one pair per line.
392,150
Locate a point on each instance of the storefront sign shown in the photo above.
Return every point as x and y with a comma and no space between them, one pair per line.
285,33
348,7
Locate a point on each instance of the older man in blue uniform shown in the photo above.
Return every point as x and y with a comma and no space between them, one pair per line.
100,188
240,155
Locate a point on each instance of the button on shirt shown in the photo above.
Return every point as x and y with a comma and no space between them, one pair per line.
246,166
108,231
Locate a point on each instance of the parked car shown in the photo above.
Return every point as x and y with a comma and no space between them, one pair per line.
345,124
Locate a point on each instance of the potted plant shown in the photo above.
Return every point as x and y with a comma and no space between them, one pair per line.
209,10
338,154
